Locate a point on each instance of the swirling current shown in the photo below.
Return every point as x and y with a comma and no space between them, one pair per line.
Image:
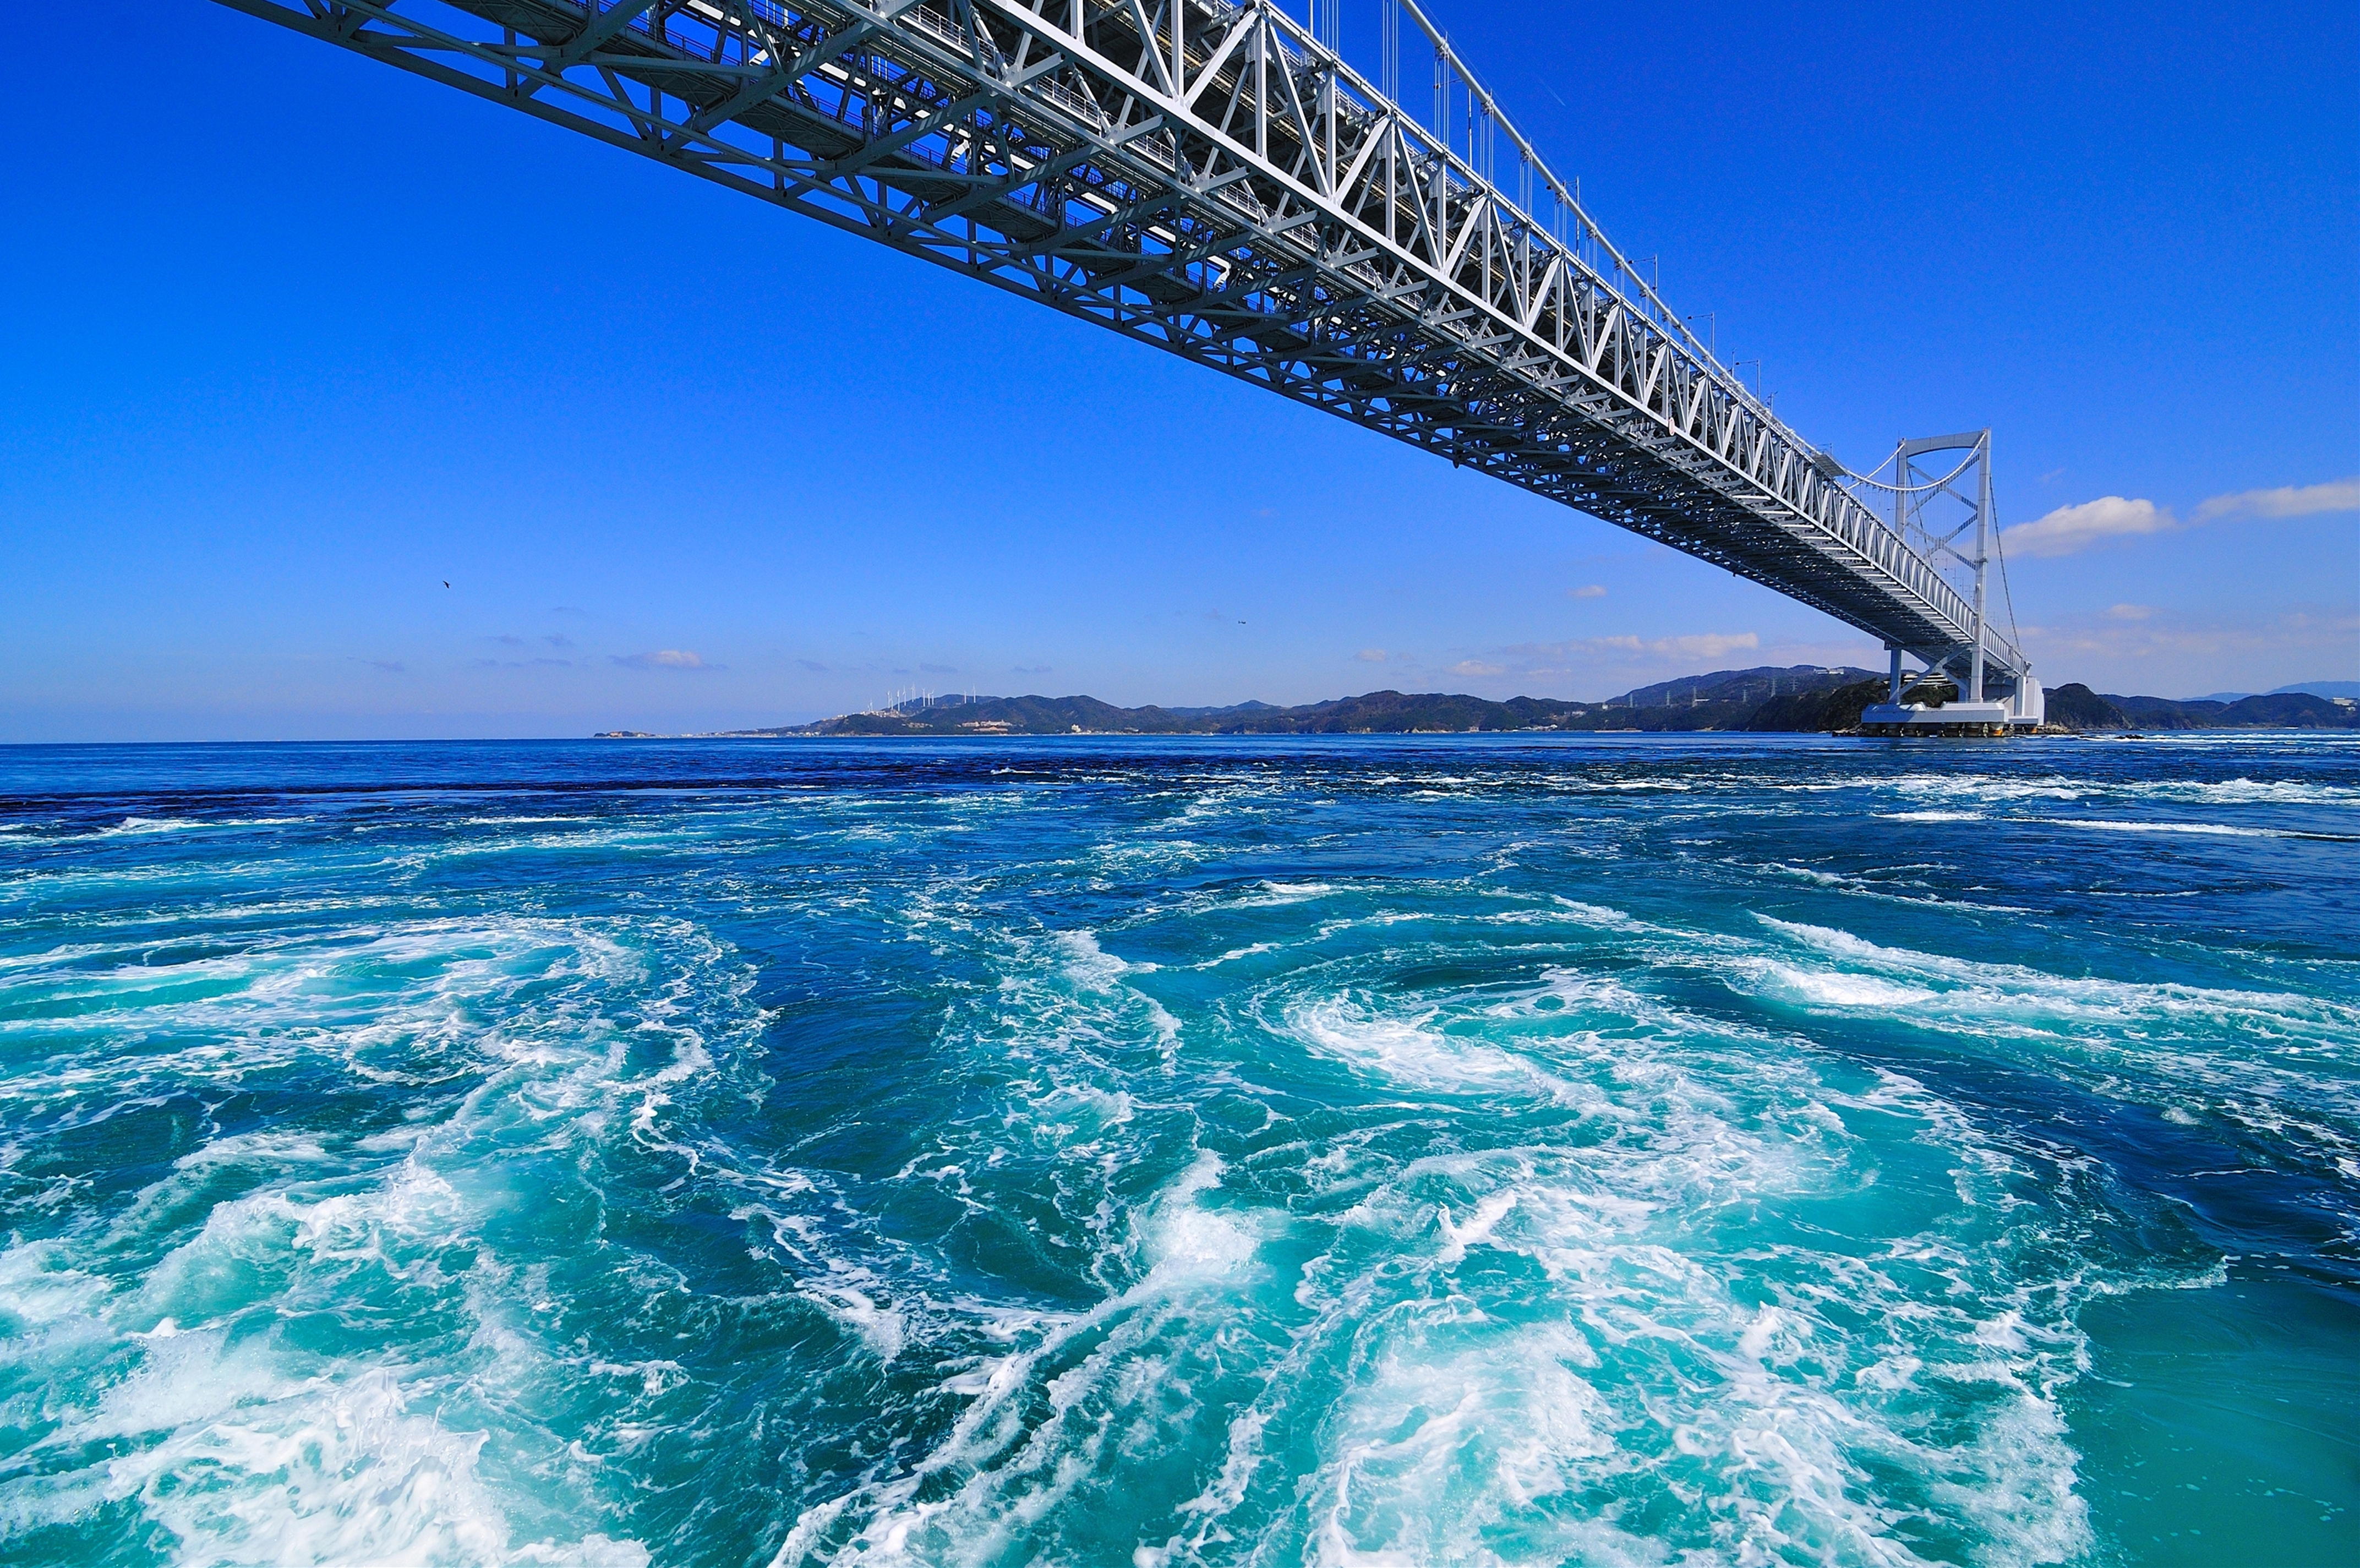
1615,1150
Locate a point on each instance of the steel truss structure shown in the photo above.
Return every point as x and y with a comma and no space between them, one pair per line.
1212,179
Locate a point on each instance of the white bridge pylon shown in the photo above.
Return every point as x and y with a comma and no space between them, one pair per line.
1213,179
1944,514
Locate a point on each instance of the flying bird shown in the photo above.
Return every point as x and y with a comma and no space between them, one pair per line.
446,582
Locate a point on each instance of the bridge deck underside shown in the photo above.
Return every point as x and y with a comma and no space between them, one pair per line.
1206,178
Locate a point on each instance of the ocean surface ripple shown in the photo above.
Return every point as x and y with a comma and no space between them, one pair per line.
1454,1151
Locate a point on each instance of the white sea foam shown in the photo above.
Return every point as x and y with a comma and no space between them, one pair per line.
138,827
1890,888
1270,895
860,1310
2002,990
1539,1232
2213,830
1094,1377
1410,1050
2151,1041
1834,988
244,1445
1092,965
1639,1370
519,820
1253,950
2000,789
39,1286
1595,914
340,1473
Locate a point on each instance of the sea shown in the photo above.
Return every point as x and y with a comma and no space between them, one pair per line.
1604,1150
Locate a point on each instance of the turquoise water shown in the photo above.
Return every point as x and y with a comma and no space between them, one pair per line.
1692,1150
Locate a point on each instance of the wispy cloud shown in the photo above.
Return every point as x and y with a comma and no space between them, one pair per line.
1589,656
2130,611
1587,591
1029,669
557,639
938,670
1700,644
2134,647
2286,501
1707,645
814,665
1370,655
391,666
2070,529
663,658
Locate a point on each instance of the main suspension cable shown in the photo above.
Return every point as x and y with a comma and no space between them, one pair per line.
1913,489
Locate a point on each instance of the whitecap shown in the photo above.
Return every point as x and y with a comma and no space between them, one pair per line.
1835,988
248,1446
2215,830
1408,1050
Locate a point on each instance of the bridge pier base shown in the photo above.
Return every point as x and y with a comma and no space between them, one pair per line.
1954,719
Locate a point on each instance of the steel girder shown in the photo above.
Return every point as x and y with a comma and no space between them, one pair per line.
1208,178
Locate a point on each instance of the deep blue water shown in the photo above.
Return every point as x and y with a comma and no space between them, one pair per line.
1611,1150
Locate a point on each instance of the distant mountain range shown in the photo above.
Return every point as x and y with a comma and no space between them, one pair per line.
2078,708
1793,697
2302,688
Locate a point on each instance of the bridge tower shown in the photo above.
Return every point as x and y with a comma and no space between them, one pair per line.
1942,490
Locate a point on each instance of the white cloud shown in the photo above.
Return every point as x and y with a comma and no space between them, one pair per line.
664,659
1588,591
1702,645
1370,655
1585,654
2286,501
2070,530
1712,645
2131,612
1477,667
2168,650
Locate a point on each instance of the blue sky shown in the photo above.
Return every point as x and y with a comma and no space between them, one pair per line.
288,339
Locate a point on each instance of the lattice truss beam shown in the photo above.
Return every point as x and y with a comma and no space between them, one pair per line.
1210,178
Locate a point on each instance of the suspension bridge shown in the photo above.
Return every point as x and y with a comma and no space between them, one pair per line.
1215,179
